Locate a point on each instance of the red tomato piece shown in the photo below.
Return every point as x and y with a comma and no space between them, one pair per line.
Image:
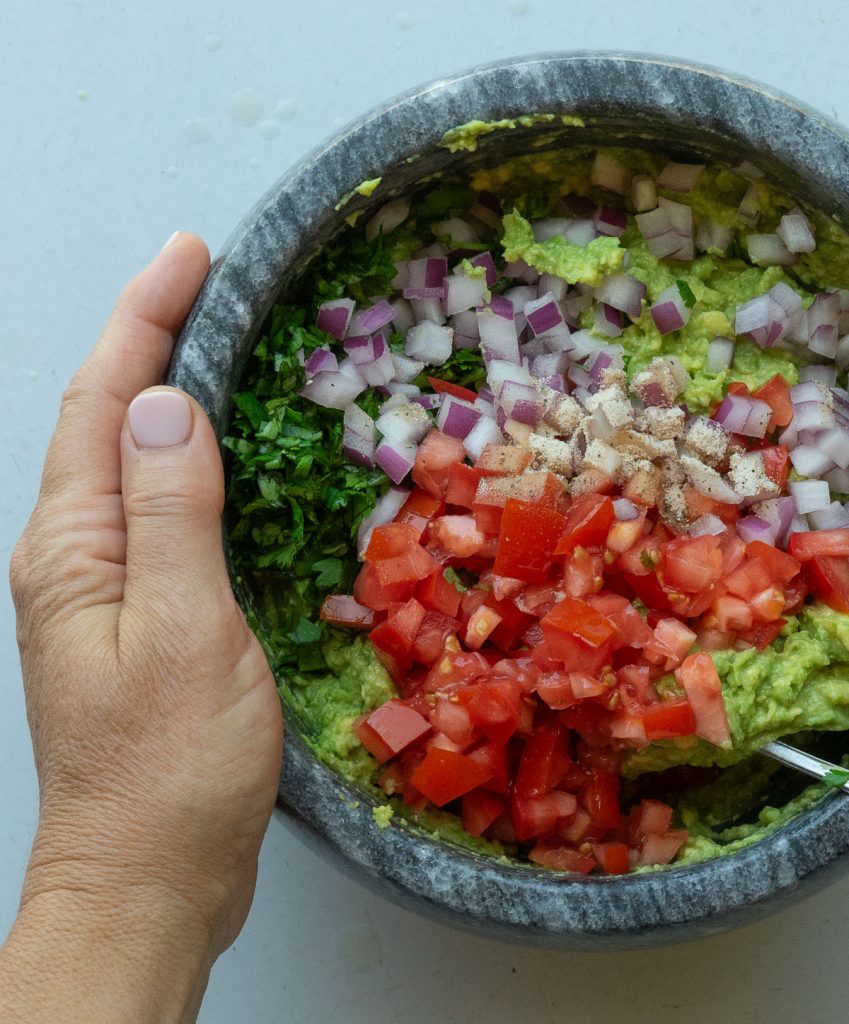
455,666
453,719
677,638
700,505
762,634
700,681
782,567
418,510
819,543
512,626
544,759
446,387
612,858
661,849
391,728
503,460
430,639
494,758
828,578
390,540
776,394
463,485
444,775
495,707
457,535
587,523
579,619
668,718
649,817
344,610
480,809
733,615
768,605
642,558
691,564
536,816
749,578
482,622
776,461
369,590
526,540
560,857
555,688
583,573
648,590
414,565
436,455
396,635
438,594
600,798
624,534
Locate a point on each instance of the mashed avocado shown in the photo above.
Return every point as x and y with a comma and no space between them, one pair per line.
802,681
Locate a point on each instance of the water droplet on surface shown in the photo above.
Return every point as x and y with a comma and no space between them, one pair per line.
82,95
245,107
171,172
212,43
269,129
253,163
286,109
403,19
197,129
517,7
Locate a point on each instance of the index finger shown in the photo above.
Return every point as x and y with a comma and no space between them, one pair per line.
132,354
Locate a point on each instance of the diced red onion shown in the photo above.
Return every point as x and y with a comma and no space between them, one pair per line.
484,432
823,314
799,524
428,401
746,169
319,361
812,416
456,229
463,292
710,483
426,279
334,317
838,480
825,375
520,402
518,270
810,495
625,510
580,378
358,437
581,233
332,390
768,251
835,444
388,217
809,461
487,208
500,370
643,193
549,365
766,318
429,342
611,222
749,210
555,383
794,230
679,177
806,391
669,310
543,314
428,309
743,415
712,235
456,417
406,369
779,512
403,317
608,173
720,354
381,369
388,506
550,227
376,316
623,292
579,206
707,525
498,329
754,528
396,460
835,517
608,321
485,260
550,284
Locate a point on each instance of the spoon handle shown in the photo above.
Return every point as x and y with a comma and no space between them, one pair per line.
825,771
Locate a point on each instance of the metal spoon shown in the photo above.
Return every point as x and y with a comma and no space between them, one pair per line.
807,763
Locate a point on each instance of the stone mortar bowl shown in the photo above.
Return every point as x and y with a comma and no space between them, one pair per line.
627,99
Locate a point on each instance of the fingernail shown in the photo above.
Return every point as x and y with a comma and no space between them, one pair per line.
160,419
171,239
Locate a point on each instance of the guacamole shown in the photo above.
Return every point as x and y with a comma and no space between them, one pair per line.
291,552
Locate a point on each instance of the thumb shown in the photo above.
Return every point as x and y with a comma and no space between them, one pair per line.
172,483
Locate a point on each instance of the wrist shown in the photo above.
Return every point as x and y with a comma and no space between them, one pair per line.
128,955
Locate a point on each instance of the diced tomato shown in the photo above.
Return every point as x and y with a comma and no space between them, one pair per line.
768,605
648,590
819,543
418,510
452,718
390,540
544,759
776,460
512,626
433,632
495,706
776,394
675,640
396,635
555,689
587,523
583,573
612,858
600,798
749,578
579,619
828,578
480,809
624,534
344,610
668,718
701,505
459,536
641,558
438,594
781,566
649,817
389,729
733,615
369,590
691,564
733,552
503,460
700,681
463,485
481,624
560,857
661,849
494,758
762,634
526,540
444,775
436,455
535,816
447,387
456,666
643,487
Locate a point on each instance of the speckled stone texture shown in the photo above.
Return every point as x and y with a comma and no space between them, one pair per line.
629,99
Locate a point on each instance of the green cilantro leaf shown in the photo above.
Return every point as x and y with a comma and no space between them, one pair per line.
686,292
452,577
836,777
329,571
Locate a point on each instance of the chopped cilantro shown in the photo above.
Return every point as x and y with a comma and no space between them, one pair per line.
452,577
836,777
685,292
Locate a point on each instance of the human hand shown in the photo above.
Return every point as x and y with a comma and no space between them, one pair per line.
155,720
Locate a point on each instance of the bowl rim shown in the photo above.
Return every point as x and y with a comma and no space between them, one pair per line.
515,902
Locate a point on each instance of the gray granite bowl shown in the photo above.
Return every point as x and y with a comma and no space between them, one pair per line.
628,99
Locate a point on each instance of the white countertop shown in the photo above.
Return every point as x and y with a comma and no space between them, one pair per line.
120,125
